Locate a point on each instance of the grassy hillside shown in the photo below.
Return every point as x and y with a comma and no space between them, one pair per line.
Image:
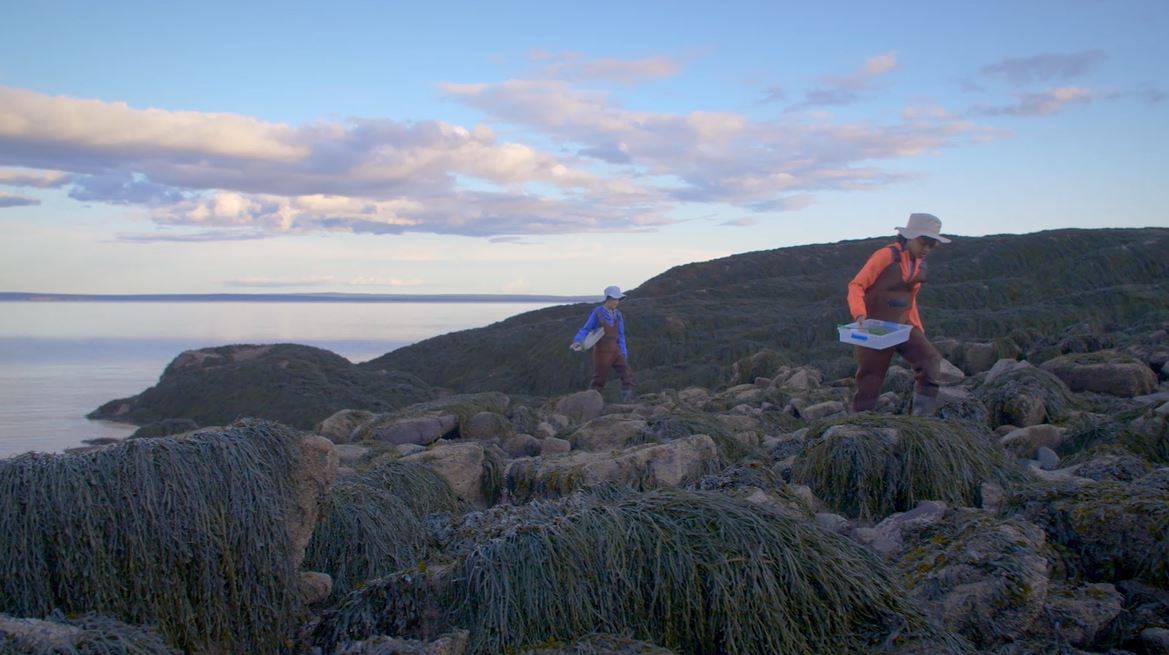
689,324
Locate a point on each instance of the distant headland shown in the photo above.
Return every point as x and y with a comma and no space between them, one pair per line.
24,296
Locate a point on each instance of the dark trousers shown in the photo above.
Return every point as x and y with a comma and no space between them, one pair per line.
610,358
871,366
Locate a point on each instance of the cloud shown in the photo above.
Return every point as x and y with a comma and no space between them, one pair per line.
1021,71
773,93
361,174
516,286
115,127
33,178
718,156
321,281
1149,96
741,222
11,200
1044,103
122,188
575,67
847,89
167,235
602,167
277,283
363,281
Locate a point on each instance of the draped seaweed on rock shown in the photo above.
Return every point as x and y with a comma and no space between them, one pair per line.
424,491
598,644
88,634
188,534
371,523
1025,396
364,533
870,466
677,425
696,572
1088,431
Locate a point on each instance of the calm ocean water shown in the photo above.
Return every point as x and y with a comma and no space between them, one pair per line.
61,360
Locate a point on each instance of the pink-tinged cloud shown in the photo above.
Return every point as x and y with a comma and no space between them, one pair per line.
12,200
1043,103
82,125
741,222
575,66
774,93
625,170
360,175
1045,68
24,177
847,89
719,156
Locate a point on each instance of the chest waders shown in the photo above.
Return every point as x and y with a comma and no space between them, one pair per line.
607,355
888,299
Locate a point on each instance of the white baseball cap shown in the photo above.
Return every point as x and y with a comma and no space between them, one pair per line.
613,292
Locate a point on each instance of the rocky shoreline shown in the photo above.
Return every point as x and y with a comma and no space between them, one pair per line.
1030,515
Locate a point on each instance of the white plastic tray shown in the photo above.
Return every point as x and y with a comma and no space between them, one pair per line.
875,334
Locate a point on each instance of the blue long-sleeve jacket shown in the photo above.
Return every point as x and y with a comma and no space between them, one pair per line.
593,323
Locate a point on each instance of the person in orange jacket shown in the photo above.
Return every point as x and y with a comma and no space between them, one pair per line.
886,289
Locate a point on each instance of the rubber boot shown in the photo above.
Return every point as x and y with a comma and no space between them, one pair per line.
626,395
923,405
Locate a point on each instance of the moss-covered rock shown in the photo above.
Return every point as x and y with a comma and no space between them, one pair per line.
1112,530
981,577
869,466
1025,396
697,572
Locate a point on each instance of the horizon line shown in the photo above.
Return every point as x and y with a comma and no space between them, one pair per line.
329,296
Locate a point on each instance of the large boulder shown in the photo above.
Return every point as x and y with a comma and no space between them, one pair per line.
1016,393
1026,442
339,427
1081,615
314,474
608,432
472,469
981,577
396,429
652,465
979,357
487,425
1105,371
887,538
581,406
1111,531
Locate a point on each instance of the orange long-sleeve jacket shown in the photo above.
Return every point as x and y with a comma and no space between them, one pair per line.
911,270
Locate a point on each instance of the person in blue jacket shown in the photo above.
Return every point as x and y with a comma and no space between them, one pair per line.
610,352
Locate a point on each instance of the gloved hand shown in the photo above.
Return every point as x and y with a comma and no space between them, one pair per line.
576,346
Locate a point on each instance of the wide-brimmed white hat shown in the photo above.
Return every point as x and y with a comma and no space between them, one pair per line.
923,225
614,292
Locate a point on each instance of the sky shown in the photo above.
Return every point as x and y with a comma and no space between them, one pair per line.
552,148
